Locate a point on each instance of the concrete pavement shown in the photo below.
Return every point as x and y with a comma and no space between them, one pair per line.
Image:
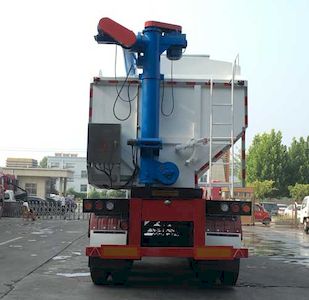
26,245
61,271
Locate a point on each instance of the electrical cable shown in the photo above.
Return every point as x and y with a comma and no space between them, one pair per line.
109,175
127,75
129,100
136,168
173,99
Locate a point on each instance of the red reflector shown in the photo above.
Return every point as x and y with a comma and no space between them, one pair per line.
235,208
246,101
98,205
195,179
218,154
246,208
88,205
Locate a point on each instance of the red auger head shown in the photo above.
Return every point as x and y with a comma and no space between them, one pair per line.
114,33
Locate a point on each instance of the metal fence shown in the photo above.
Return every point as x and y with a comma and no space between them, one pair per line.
46,210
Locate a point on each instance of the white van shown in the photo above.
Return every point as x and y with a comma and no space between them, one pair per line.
9,196
304,214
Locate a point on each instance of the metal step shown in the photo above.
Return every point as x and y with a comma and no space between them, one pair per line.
222,104
220,142
227,124
220,138
218,163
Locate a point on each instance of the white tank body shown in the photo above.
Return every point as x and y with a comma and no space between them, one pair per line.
185,132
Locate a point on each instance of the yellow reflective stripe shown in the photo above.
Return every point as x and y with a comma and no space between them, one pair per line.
119,251
217,252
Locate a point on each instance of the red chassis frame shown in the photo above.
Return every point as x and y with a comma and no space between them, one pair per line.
160,210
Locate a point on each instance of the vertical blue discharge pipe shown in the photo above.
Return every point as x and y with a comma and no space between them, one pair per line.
150,103
156,38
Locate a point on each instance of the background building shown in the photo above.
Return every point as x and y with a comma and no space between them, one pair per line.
78,165
39,181
13,162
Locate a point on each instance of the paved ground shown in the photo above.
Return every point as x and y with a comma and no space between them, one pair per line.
44,260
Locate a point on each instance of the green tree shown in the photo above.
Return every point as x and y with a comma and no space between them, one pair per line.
78,195
262,189
116,194
94,194
299,191
299,161
103,194
237,164
267,159
43,162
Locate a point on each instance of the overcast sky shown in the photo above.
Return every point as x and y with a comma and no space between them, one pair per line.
48,58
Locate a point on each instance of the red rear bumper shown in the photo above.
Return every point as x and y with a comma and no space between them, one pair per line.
198,253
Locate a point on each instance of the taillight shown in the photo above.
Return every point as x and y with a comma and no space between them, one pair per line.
246,208
124,225
224,207
99,204
88,206
228,207
110,205
235,208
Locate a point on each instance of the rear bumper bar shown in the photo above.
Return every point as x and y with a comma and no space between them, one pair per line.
136,253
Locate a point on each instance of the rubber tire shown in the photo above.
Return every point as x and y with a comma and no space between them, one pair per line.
209,278
99,277
109,272
214,272
306,226
192,263
206,273
120,278
229,278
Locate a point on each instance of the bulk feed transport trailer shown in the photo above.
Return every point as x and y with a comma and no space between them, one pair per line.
152,135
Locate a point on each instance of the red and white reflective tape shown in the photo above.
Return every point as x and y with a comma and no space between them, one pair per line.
190,83
196,179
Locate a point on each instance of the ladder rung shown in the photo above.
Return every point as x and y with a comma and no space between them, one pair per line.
217,138
222,124
221,142
216,163
222,104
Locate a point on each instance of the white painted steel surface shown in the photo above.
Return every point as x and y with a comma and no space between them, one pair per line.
185,133
223,239
98,238
198,67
